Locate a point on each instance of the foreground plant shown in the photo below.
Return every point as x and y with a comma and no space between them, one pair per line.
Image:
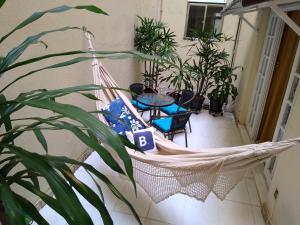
22,167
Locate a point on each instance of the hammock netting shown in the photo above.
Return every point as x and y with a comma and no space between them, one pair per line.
193,172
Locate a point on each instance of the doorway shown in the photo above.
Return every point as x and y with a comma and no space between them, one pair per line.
279,82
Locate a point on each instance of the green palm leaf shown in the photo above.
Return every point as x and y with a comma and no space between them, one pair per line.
37,15
99,129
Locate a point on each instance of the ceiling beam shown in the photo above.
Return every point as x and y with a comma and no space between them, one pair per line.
279,11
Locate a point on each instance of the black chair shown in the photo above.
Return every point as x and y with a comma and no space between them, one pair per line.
184,103
172,125
138,89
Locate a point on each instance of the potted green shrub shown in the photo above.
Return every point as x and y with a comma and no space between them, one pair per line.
207,57
154,38
25,168
223,89
179,77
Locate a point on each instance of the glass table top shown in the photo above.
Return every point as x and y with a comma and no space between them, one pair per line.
155,100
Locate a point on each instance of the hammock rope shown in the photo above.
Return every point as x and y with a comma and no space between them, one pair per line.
174,169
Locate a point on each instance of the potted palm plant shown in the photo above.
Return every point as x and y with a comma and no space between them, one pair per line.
207,57
154,38
179,77
223,89
24,168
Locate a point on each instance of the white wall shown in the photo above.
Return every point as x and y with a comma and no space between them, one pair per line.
114,32
249,49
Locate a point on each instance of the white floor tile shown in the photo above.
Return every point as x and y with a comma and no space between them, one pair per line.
141,202
254,199
124,219
240,193
233,213
169,211
202,213
258,218
155,222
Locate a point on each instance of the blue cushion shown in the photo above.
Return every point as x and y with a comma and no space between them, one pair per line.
139,105
172,109
163,123
120,118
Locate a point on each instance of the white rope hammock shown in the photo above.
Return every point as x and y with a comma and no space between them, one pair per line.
193,172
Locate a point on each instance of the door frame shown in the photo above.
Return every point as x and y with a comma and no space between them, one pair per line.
280,130
258,102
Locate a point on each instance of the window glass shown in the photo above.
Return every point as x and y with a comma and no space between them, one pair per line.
196,18
203,16
213,17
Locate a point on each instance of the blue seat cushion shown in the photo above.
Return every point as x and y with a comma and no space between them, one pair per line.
173,109
163,123
120,118
139,105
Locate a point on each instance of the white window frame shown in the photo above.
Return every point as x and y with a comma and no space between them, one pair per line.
200,3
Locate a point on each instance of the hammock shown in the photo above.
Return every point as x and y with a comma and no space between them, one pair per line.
193,172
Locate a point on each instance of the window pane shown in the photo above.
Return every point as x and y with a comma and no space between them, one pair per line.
213,17
286,115
196,18
293,89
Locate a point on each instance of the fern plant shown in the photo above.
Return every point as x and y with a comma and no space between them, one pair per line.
55,170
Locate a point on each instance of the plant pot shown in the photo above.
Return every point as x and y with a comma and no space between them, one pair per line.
197,103
176,96
216,106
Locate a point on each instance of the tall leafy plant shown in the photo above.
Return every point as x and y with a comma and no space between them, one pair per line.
53,169
154,38
224,85
207,58
179,76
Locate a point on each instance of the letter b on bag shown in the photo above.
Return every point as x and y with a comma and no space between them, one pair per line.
144,140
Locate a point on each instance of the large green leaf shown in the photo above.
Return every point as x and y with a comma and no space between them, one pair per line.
88,193
37,15
16,52
106,54
50,201
90,142
2,3
58,185
12,209
100,130
122,55
30,210
5,119
40,137
91,169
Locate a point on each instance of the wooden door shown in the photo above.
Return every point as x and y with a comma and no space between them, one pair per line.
280,78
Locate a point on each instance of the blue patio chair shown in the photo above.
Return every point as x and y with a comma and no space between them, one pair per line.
172,125
183,105
138,89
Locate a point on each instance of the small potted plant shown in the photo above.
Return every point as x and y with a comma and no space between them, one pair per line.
223,89
179,78
207,57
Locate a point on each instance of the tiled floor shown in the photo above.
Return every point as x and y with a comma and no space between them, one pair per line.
241,206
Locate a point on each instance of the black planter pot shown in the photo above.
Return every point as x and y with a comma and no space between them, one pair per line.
197,103
175,95
215,106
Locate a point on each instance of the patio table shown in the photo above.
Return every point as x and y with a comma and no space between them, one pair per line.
155,101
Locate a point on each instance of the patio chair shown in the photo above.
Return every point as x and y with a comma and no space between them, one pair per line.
183,105
171,125
138,89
